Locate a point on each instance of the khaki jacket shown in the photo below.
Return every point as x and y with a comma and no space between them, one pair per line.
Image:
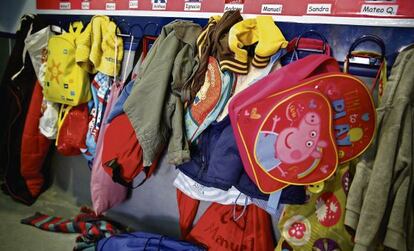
154,106
379,205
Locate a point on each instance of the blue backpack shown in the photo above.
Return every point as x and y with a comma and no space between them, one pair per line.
138,241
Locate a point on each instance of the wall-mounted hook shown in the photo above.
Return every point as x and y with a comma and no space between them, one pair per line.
367,38
119,26
156,31
134,26
307,34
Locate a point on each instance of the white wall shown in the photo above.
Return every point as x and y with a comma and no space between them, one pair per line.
12,10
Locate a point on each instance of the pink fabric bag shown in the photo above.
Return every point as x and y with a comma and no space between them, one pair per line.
105,192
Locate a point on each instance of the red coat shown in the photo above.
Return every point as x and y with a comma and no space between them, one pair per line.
35,146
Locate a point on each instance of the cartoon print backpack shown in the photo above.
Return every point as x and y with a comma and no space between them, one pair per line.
65,81
293,132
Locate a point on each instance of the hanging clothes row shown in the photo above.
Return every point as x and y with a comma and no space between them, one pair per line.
257,125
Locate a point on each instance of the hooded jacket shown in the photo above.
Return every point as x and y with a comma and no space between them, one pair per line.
97,46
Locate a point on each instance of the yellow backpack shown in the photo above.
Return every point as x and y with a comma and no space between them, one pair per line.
65,81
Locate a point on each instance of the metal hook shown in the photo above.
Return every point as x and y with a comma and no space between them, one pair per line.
365,38
131,29
118,28
311,32
149,24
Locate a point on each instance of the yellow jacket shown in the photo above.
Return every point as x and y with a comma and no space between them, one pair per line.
96,47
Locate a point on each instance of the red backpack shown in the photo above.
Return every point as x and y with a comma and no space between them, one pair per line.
291,128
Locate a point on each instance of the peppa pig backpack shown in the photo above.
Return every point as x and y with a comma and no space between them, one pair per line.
295,125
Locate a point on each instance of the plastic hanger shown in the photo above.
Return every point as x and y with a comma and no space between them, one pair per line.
146,39
143,30
156,31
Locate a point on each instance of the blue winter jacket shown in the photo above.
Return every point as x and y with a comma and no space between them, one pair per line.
140,241
215,162
117,108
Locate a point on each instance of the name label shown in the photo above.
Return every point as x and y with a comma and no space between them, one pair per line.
272,8
192,6
323,8
159,6
133,4
379,10
85,6
110,6
233,6
64,5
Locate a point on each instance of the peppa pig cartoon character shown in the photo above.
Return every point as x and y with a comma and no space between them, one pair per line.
291,145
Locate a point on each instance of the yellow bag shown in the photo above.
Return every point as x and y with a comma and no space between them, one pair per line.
319,223
65,81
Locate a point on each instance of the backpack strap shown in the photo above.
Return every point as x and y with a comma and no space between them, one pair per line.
117,177
63,112
311,65
381,75
75,28
292,73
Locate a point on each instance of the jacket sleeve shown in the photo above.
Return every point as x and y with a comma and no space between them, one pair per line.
357,193
376,199
361,179
395,237
184,67
178,148
144,107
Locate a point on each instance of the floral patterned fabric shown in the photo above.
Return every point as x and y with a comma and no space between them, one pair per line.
318,225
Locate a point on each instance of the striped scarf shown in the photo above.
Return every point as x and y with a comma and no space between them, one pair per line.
92,228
